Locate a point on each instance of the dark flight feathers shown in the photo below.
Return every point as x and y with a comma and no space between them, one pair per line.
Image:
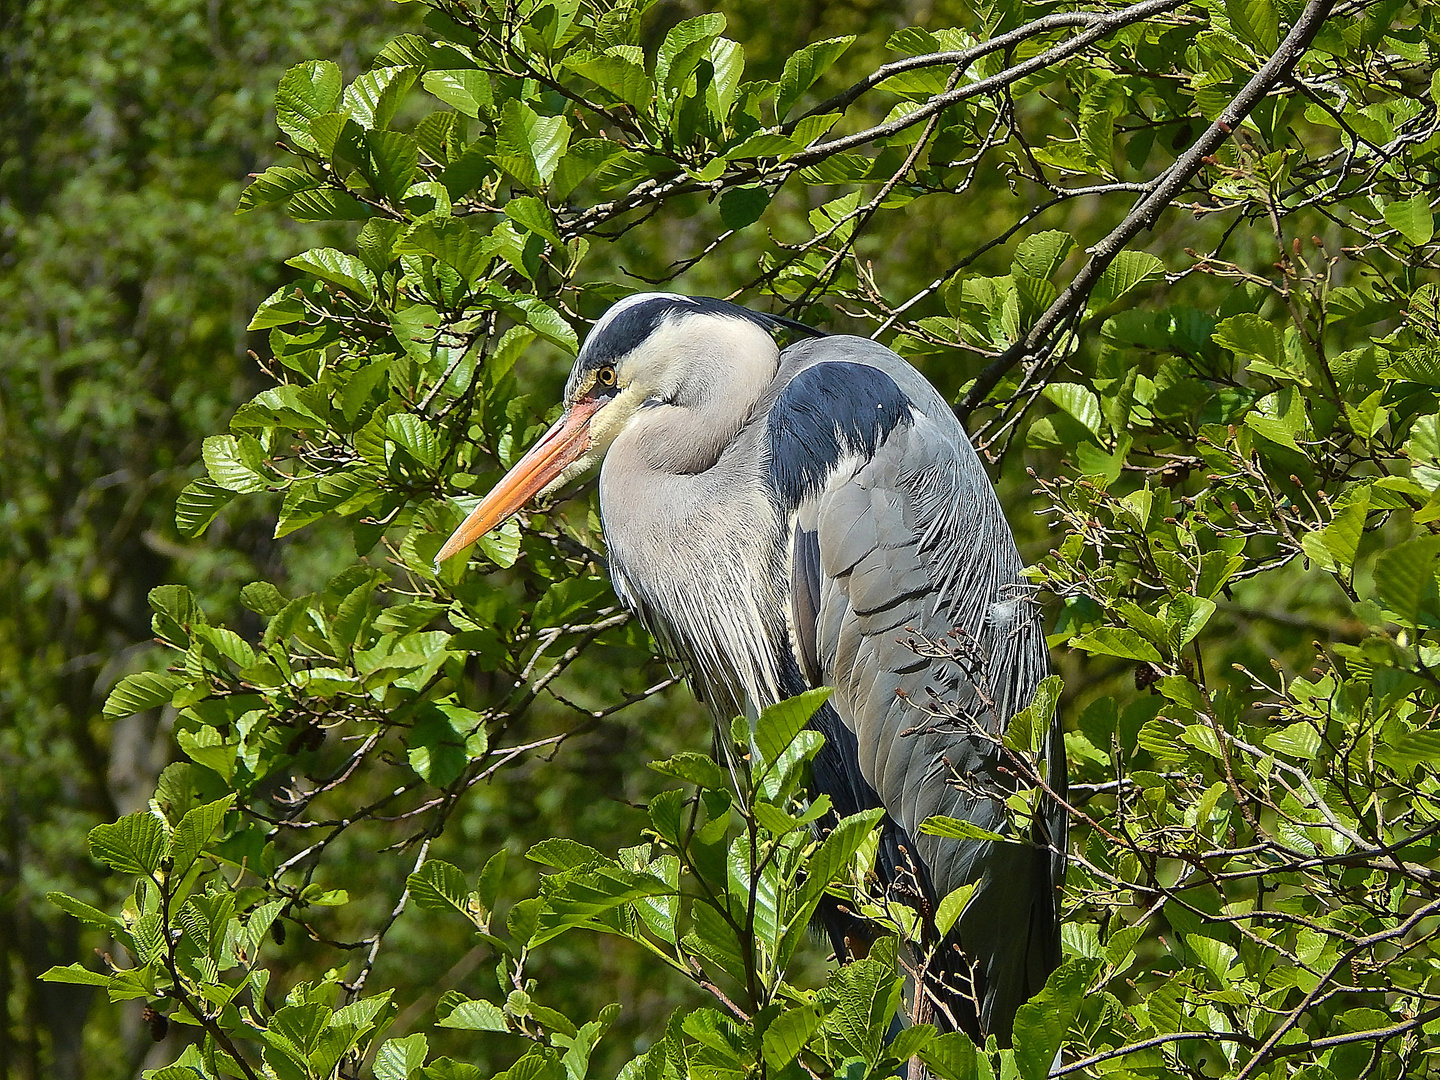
897,533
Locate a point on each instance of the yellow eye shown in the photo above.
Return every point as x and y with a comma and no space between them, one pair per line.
605,376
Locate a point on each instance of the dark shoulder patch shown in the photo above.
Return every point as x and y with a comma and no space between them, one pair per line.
825,412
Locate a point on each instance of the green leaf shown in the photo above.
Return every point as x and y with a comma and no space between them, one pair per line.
176,602
910,1041
276,184
1413,219
1405,580
1423,450
140,691
306,91
1042,1023
263,598
803,68
300,1025
1420,365
1250,335
467,90
280,308
1334,546
197,506
1215,956
620,74
690,34
530,146
561,853
438,885
1165,1007
1279,417
373,97
960,829
326,204
502,546
417,437
1090,460
833,855
743,206
135,844
1079,402
1410,749
231,466
1297,740
953,1056
310,499
1256,22
457,1011
579,897
787,1035
697,769
546,322
438,748
394,157
491,878
77,975
91,916
579,163
194,832
950,908
338,268
534,216
780,723
1040,255
568,598
1185,617
1129,270
1113,641
763,145
536,1065
398,1058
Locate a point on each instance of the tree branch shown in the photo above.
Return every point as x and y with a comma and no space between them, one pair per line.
1101,27
1035,345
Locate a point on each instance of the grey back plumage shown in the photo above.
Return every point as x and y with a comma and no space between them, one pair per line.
839,515
913,549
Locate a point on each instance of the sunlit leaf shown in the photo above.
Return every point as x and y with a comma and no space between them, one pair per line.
804,67
1412,218
135,844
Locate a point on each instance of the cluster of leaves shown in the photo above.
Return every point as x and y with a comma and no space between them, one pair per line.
723,889
197,938
1232,434
125,287
1281,825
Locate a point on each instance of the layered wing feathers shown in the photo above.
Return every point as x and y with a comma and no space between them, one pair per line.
898,535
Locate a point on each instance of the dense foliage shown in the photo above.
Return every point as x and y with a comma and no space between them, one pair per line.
1233,424
126,283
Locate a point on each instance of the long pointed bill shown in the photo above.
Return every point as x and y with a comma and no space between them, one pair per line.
567,439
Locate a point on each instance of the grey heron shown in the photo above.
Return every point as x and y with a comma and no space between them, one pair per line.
781,520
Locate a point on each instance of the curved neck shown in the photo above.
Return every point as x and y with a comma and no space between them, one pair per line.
705,399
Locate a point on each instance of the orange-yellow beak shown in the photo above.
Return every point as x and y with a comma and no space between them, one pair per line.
567,439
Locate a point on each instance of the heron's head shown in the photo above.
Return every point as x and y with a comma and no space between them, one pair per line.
649,351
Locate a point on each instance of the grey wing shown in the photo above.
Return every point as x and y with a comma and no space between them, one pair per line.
910,549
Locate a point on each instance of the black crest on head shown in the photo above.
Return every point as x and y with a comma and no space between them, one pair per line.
622,332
